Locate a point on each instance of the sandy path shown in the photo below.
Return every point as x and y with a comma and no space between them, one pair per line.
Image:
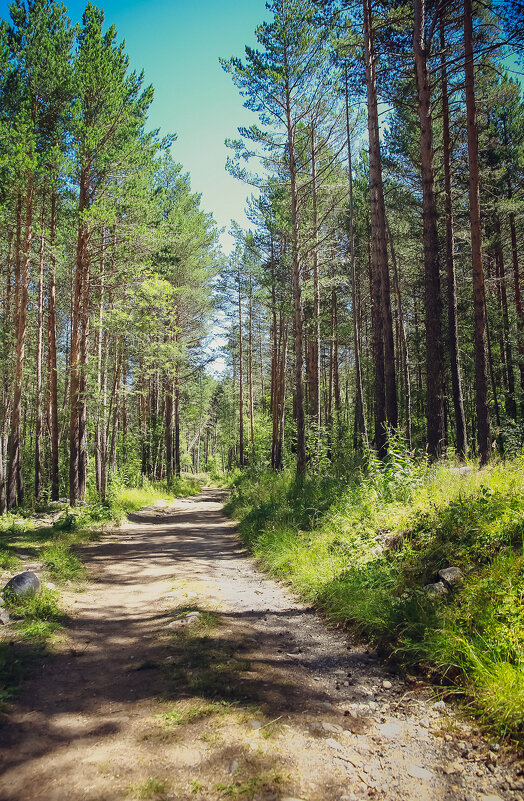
264,703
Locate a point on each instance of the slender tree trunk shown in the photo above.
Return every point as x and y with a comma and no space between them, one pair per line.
456,378
384,352
315,383
479,298
15,489
360,415
434,355
296,286
78,341
241,375
511,405
39,353
51,355
403,338
169,430
177,421
250,357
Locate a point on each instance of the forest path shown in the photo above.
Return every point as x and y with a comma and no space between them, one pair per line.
255,698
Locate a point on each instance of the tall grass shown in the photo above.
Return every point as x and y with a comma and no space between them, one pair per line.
364,549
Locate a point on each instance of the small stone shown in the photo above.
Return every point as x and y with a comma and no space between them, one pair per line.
256,724
452,767
424,722
334,744
332,727
439,705
418,772
437,589
451,575
391,730
387,685
490,797
4,617
50,585
317,678
233,767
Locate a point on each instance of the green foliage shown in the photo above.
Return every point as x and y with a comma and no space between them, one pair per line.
364,551
62,563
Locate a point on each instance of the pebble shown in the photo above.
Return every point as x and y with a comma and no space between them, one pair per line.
391,730
332,727
387,685
424,722
418,772
439,705
256,724
233,767
452,767
490,798
332,743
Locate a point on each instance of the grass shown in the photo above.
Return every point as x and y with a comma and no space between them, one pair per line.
153,788
364,548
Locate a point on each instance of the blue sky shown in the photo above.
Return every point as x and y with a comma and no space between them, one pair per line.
178,43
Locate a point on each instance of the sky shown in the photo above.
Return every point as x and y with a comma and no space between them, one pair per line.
178,43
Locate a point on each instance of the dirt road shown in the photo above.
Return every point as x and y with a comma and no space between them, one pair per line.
187,674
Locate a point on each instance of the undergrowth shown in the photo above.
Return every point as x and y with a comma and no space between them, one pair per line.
364,549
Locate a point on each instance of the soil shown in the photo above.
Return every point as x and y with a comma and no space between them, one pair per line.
186,673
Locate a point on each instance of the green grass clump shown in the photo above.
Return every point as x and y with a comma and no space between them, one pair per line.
62,563
363,550
150,788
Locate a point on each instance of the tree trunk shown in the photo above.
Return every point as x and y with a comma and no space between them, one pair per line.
241,375
434,356
384,352
479,298
296,286
51,355
456,378
15,489
511,405
39,349
360,416
78,343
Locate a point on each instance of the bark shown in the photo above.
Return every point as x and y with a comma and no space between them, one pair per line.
479,298
434,355
384,353
39,349
52,358
250,366
296,285
451,284
511,405
100,442
360,416
177,422
15,488
241,375
170,430
78,345
314,395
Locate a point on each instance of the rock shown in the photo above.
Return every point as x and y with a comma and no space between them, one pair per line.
424,722
233,767
490,797
256,724
332,727
439,705
4,616
390,730
451,575
387,685
452,767
25,584
437,589
418,772
187,620
49,585
332,743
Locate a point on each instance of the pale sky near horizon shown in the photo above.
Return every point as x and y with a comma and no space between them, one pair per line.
178,44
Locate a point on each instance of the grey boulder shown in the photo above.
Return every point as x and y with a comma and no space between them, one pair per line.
24,584
451,575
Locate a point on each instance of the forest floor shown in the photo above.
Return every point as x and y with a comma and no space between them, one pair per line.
185,673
